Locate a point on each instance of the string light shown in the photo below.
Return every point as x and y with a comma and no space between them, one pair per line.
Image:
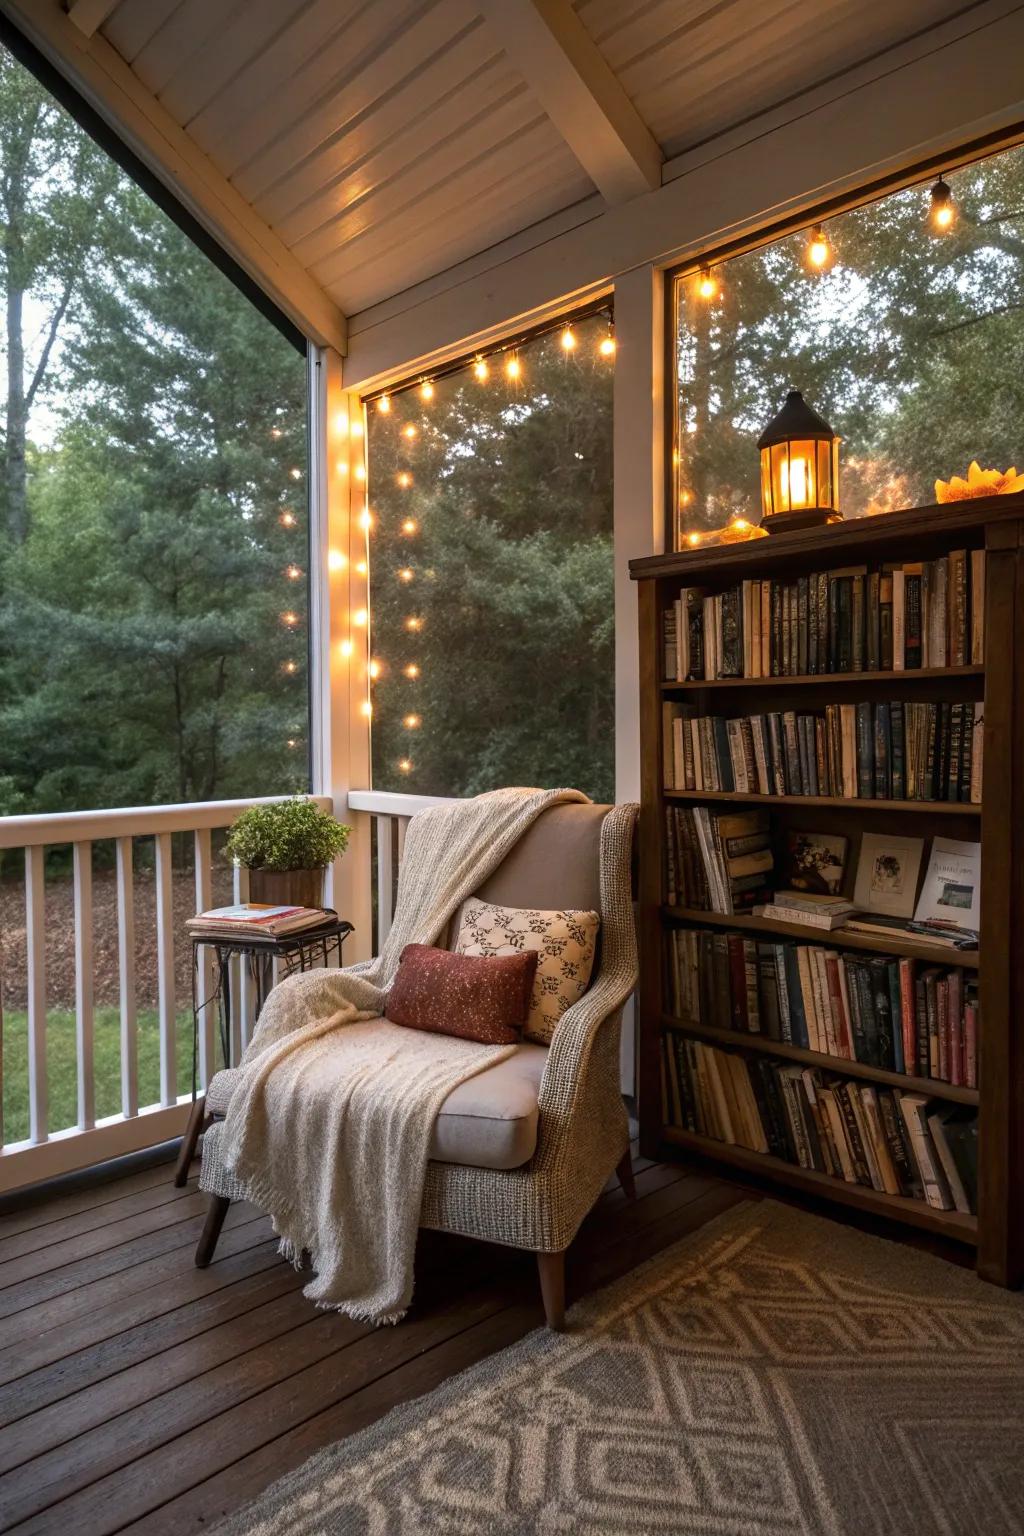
356,428
366,520
384,405
412,722
289,620
360,471
607,347
290,667
293,572
361,568
276,432
409,430
412,670
287,519
414,624
366,709
404,479
406,574
359,617
568,339
296,474
336,561
708,285
819,250
404,765
292,742
345,647
513,368
426,390
481,372
373,669
942,211
693,539
410,526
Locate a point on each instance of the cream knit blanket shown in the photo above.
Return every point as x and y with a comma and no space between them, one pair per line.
328,1128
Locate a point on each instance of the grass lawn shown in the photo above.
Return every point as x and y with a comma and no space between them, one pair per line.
61,1065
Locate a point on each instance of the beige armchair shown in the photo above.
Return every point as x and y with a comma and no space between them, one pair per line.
521,1151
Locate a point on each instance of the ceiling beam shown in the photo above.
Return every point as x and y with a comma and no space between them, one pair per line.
566,71
110,86
89,15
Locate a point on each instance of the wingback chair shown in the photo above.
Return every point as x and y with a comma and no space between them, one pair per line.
521,1151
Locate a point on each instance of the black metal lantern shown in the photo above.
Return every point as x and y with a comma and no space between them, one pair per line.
799,468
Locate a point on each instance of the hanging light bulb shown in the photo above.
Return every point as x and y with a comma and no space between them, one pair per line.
366,520
481,372
693,539
426,390
607,347
568,339
409,430
366,709
819,249
513,368
290,667
361,568
291,742
708,285
296,474
942,211
384,405
410,526
360,471
336,560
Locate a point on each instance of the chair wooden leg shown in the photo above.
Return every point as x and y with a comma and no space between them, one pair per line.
190,1141
624,1170
551,1267
218,1209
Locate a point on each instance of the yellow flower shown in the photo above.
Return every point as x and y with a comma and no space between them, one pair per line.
979,482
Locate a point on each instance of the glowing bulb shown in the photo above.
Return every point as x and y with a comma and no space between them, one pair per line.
287,519
426,390
410,525
336,561
342,467
290,667
513,369
568,340
356,428
366,520
360,471
943,208
406,574
404,479
374,669
404,765
411,722
693,539
341,423
366,709
345,647
481,372
685,497
289,620
361,568
740,524
276,432
409,430
607,347
412,670
293,572
296,474
359,617
384,404
413,624
819,251
707,284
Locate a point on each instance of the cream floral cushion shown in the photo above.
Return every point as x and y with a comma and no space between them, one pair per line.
565,944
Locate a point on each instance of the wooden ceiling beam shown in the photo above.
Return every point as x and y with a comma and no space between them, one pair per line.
566,71
89,15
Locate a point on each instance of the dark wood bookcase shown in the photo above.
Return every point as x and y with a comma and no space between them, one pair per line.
924,533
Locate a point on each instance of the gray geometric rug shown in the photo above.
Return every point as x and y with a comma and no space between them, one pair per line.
774,1374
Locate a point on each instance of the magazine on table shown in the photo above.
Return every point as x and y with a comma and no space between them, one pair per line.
256,919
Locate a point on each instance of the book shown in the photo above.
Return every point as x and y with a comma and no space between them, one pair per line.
951,893
256,918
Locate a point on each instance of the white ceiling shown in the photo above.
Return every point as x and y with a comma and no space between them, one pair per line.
384,141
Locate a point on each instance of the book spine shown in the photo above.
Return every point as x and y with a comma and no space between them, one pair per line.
865,753
857,620
872,622
912,636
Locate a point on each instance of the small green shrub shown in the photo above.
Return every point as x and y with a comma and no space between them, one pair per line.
294,834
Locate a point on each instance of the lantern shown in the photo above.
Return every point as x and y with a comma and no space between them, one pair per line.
799,468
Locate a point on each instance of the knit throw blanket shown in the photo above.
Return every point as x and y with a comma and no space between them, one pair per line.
330,1118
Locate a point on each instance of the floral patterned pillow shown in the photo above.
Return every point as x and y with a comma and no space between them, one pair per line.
565,944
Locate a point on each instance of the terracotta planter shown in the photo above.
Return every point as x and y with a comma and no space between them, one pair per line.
288,887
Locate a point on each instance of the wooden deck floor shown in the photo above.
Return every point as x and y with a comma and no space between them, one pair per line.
140,1394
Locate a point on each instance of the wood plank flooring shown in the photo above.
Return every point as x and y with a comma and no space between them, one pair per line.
140,1394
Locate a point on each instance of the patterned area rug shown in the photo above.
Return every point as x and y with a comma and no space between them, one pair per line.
774,1373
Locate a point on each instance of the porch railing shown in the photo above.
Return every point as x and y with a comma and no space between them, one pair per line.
391,815
45,1153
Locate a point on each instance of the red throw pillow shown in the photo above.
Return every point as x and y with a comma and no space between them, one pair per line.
473,997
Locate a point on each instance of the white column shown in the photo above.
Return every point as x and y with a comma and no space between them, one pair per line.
639,503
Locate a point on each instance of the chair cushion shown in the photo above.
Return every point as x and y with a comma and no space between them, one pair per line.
490,1121
564,943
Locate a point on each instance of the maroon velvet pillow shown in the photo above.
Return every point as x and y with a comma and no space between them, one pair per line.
474,997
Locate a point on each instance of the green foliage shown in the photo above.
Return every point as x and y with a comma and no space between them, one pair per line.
293,834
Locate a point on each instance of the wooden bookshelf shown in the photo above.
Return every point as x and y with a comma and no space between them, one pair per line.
995,524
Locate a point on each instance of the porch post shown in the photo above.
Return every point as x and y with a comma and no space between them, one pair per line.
639,517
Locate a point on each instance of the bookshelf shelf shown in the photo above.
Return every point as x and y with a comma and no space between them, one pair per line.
895,944
735,1039
916,1213
846,802
992,686
827,679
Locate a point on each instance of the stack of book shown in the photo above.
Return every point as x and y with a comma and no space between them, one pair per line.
719,863
882,1138
867,751
255,919
899,617
881,1010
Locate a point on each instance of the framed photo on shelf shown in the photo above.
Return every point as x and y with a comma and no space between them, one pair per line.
815,862
887,874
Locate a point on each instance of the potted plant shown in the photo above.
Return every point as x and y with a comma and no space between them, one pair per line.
286,847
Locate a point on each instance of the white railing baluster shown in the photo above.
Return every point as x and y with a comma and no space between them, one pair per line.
82,855
246,997
385,878
35,939
204,964
165,969
126,978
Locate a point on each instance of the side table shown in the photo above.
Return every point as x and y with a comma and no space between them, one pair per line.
311,949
